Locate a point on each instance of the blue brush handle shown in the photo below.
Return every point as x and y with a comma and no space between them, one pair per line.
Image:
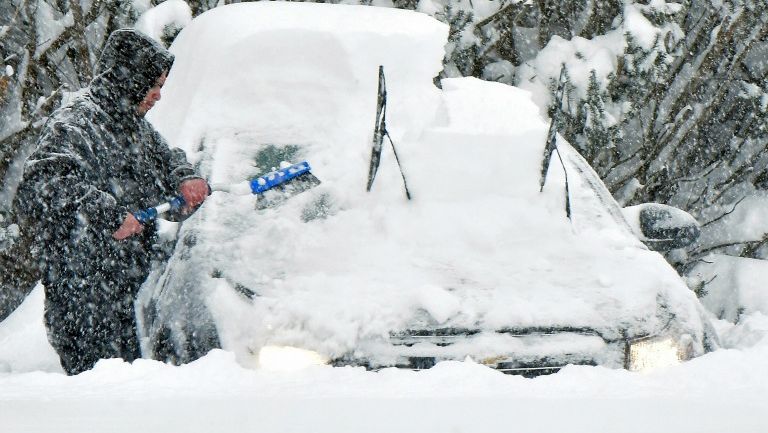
258,186
147,215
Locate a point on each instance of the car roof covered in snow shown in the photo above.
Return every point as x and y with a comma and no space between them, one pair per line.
478,245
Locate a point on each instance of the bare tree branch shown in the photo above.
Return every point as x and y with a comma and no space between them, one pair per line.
724,214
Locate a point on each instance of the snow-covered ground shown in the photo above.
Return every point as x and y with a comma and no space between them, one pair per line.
725,390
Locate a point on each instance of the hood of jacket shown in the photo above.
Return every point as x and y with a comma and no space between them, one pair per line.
128,67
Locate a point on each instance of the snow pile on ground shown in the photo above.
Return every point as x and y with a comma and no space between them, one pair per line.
23,344
733,286
721,391
751,331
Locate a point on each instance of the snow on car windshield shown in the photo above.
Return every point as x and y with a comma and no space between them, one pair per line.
478,245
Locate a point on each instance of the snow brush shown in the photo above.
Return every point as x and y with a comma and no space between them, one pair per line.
288,181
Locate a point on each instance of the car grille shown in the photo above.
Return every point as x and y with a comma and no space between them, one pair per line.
531,362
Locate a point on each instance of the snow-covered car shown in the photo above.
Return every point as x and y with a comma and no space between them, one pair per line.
480,263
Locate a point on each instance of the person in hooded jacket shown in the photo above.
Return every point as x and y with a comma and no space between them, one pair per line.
97,161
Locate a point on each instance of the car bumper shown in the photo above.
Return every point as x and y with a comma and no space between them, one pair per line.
528,352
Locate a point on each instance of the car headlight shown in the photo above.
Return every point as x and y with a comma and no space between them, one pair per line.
285,358
650,353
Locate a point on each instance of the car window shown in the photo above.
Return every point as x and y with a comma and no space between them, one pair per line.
592,203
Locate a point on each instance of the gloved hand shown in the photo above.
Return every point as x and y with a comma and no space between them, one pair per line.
194,192
130,227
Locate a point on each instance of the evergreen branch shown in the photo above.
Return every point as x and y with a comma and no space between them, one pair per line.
669,143
500,13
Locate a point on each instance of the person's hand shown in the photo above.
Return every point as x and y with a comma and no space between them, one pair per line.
130,227
194,192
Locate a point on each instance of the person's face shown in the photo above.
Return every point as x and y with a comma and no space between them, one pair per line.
152,96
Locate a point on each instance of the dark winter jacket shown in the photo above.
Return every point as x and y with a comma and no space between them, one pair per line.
96,161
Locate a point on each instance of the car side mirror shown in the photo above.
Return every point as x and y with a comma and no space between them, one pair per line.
661,227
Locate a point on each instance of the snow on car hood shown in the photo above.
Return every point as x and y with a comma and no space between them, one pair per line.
478,246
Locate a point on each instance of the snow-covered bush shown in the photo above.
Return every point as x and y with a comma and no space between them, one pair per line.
669,107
